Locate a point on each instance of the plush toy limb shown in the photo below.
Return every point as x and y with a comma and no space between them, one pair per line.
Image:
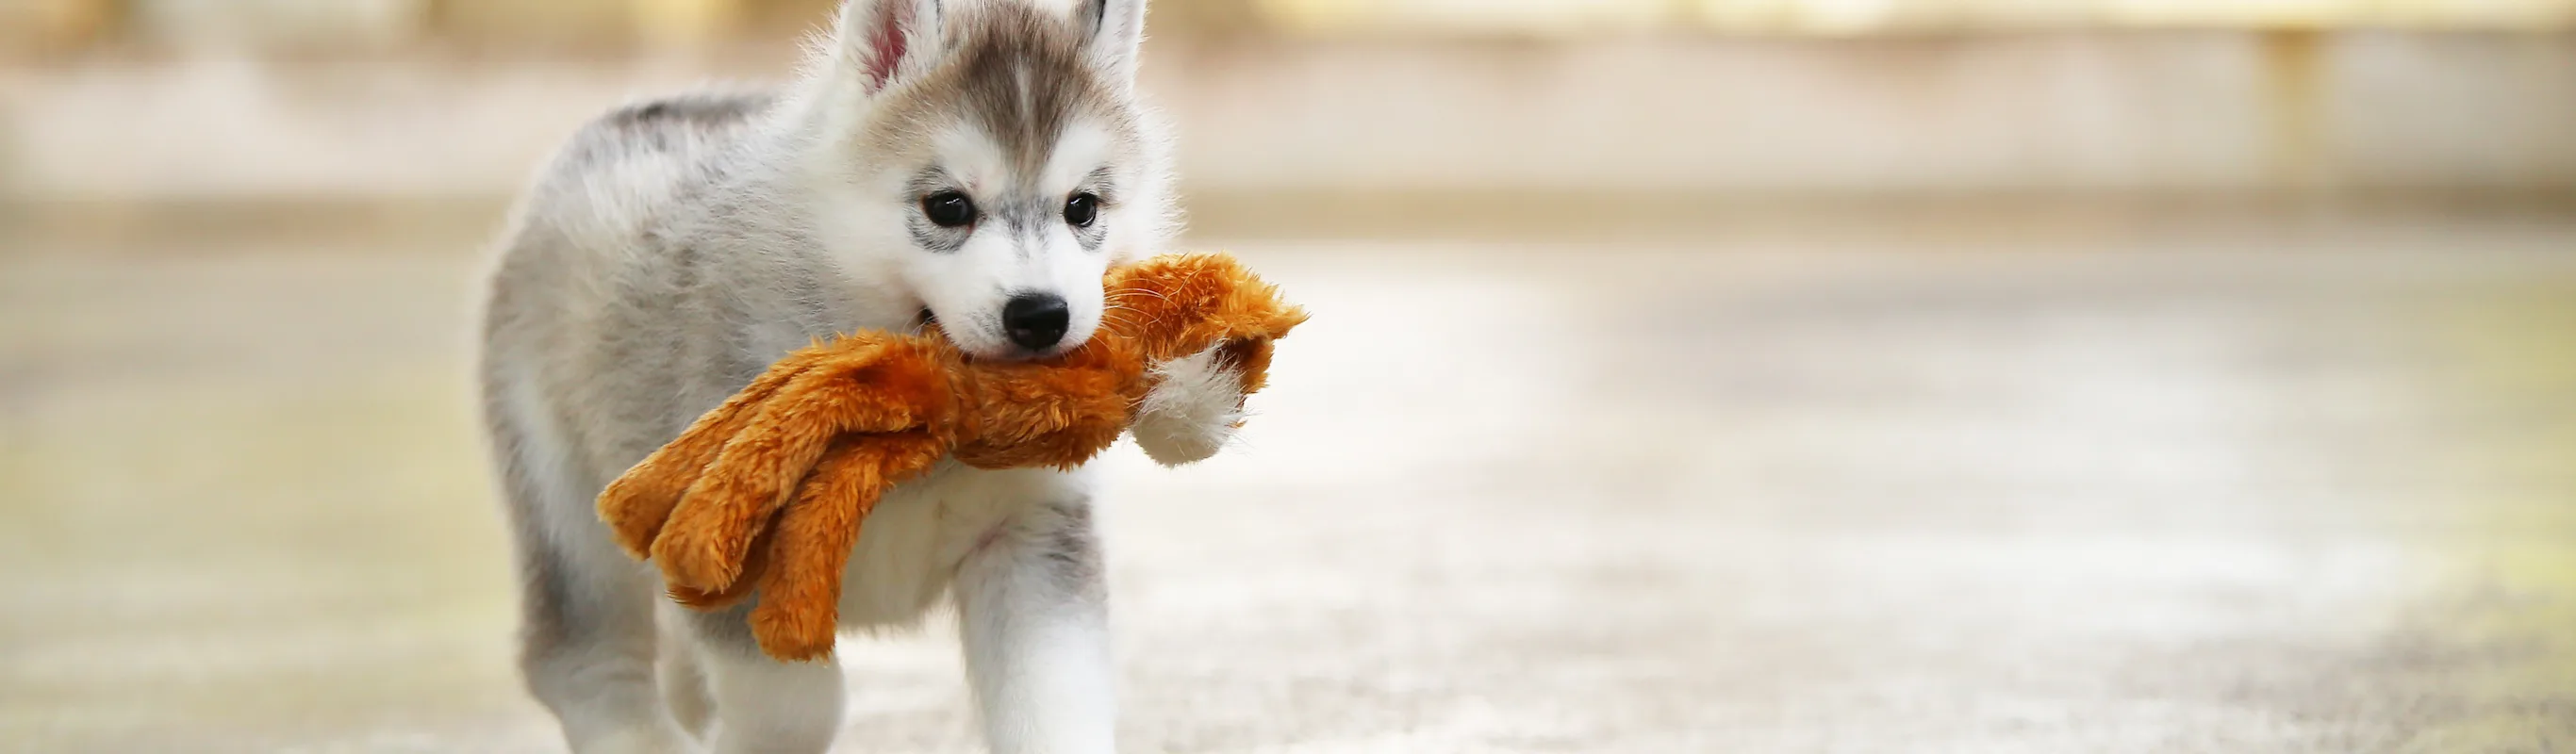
1249,357
1207,324
638,503
865,385
1197,401
754,564
1192,410
1176,305
800,594
1059,413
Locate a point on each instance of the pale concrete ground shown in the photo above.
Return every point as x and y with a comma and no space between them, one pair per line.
2279,485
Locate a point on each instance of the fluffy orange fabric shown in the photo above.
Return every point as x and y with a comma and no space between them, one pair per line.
767,492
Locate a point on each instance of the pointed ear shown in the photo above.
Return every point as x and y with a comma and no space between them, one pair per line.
879,42
1117,29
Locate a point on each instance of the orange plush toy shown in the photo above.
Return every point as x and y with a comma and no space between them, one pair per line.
767,491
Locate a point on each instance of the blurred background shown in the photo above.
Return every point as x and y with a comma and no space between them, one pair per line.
1688,375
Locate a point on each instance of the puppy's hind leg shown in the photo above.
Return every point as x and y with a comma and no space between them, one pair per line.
683,674
587,651
586,633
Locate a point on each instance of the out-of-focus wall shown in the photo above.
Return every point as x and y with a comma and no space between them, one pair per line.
54,26
402,98
2180,110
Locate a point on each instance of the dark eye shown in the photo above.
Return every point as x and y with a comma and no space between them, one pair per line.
948,209
1081,210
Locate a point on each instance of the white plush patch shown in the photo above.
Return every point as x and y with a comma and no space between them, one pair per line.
1192,413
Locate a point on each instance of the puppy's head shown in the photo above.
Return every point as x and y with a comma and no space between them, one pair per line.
992,159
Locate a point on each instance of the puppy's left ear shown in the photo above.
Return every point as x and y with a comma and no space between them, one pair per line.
1117,30
881,42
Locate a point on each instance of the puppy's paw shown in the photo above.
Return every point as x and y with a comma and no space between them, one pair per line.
1192,411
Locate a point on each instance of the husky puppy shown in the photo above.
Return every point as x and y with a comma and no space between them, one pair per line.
973,166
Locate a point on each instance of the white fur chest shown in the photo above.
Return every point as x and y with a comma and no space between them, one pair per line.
909,548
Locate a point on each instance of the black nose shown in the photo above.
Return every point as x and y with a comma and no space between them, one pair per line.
1036,321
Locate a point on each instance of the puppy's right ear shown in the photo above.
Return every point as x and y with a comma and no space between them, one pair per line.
880,42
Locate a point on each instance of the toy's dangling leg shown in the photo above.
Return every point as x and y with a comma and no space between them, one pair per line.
1193,408
753,565
1249,357
880,389
637,504
800,593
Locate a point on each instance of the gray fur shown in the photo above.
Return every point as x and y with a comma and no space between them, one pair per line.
1072,550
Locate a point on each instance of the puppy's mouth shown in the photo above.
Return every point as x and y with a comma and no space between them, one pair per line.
927,322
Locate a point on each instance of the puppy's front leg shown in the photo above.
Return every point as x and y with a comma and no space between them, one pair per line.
1034,623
